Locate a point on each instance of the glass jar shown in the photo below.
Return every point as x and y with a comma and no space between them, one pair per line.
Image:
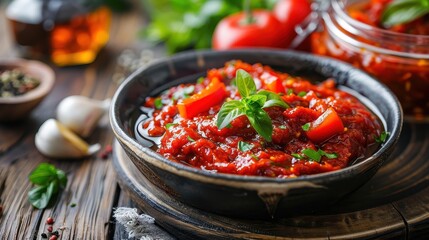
68,32
401,61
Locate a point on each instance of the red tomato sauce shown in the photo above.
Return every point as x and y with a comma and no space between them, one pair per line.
198,142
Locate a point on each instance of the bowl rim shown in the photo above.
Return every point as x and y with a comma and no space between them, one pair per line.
250,181
47,79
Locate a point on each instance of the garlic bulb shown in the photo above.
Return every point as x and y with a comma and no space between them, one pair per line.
55,140
81,114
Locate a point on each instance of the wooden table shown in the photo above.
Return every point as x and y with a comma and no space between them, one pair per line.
92,181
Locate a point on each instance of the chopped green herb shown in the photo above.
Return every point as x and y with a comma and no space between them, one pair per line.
251,105
314,155
244,146
190,139
48,181
306,127
383,137
282,127
302,94
73,205
254,156
169,125
200,80
158,103
289,91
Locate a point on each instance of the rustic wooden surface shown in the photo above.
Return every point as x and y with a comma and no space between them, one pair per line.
92,184
392,205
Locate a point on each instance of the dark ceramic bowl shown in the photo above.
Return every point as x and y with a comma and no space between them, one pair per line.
249,196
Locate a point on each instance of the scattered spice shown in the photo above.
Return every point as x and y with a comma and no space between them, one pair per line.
106,152
73,205
56,233
1,210
43,235
50,221
15,82
53,237
50,229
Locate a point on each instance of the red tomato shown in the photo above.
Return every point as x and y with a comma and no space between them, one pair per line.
232,32
291,13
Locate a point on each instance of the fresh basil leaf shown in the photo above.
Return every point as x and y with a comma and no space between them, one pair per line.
229,111
255,101
273,99
404,11
306,127
261,122
244,146
328,155
245,84
40,196
43,174
312,154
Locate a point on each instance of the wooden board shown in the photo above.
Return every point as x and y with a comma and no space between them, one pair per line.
392,205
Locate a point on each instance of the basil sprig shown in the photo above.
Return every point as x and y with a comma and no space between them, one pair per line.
251,105
404,11
48,181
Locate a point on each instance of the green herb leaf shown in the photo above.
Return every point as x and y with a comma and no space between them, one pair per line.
306,127
169,125
302,94
200,80
383,137
261,122
328,155
244,146
40,196
43,174
297,156
282,127
245,84
158,103
228,112
289,91
273,100
312,154
190,139
404,11
48,181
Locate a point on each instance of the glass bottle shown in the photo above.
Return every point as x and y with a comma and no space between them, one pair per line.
69,32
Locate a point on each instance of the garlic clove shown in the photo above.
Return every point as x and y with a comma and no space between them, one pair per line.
55,140
81,114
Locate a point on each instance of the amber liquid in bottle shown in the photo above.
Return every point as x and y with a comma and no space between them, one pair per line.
73,42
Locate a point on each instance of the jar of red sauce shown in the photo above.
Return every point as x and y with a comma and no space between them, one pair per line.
400,60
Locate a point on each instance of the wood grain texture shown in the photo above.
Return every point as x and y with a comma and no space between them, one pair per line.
91,181
392,205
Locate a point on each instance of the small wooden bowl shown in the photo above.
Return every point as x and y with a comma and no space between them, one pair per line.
18,107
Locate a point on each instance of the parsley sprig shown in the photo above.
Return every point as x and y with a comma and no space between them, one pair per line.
251,105
404,11
48,181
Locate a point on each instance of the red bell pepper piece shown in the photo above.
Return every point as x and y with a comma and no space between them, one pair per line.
200,102
326,126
